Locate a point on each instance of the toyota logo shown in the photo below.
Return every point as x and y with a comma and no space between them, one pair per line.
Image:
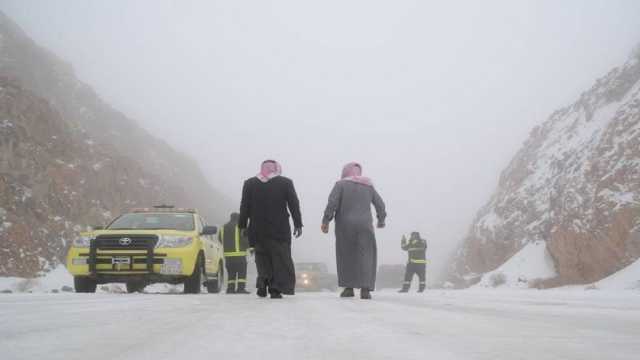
125,241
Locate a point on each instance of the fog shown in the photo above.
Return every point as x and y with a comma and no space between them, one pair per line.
432,98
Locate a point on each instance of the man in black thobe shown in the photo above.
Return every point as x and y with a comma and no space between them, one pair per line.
266,202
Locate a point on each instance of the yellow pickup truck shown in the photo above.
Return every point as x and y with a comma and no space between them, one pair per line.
146,246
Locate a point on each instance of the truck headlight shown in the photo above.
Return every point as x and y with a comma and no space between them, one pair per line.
172,241
79,261
82,241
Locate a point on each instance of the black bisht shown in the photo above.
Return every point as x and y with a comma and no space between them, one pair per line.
264,211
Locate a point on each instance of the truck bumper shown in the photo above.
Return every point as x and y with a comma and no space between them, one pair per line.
159,265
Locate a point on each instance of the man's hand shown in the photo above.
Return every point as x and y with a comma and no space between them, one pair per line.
297,232
381,225
324,228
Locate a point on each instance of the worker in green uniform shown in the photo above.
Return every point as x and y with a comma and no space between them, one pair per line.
236,246
417,263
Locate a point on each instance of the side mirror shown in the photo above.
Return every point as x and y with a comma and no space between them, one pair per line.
98,227
209,230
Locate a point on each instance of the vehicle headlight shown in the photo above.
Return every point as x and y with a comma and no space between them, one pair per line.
172,241
79,261
82,241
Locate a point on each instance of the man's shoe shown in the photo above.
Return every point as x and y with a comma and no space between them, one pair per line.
262,292
231,290
275,294
365,294
422,288
242,289
347,292
405,289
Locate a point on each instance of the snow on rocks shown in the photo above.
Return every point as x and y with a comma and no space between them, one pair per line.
6,123
574,185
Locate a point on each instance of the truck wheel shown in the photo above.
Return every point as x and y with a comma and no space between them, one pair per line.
215,285
135,286
193,283
83,284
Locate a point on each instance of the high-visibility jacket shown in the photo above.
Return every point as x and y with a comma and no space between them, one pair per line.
417,249
234,243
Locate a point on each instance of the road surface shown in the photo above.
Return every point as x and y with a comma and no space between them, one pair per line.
437,325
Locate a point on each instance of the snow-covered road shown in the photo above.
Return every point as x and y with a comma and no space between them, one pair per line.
437,325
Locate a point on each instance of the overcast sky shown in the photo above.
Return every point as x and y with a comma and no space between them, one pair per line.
433,98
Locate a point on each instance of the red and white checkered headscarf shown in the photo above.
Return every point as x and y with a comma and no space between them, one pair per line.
268,170
353,172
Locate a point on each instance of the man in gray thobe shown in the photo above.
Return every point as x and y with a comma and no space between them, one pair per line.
356,253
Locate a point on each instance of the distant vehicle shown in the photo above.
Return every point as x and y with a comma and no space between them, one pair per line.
315,277
146,246
390,276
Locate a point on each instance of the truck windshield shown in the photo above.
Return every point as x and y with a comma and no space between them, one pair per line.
153,221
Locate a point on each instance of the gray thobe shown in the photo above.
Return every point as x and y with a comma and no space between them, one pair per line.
356,252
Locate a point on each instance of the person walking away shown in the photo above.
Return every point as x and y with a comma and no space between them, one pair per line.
266,202
417,262
235,255
356,253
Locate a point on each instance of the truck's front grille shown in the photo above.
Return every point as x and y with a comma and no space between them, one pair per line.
123,252
125,242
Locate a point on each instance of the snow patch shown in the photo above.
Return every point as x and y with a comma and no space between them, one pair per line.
491,220
619,198
625,279
52,280
532,262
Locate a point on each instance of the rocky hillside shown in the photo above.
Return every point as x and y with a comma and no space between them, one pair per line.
574,187
68,160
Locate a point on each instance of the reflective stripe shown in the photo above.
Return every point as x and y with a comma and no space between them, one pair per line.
407,282
242,281
422,282
231,281
235,253
237,234
415,261
416,249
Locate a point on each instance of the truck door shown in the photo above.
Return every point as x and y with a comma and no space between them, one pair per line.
208,244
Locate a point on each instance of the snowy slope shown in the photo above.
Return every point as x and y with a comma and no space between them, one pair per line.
523,269
575,185
625,279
